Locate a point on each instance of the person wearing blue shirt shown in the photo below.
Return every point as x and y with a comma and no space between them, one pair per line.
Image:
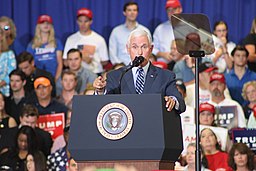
46,49
239,75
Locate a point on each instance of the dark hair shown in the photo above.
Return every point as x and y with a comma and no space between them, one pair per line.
130,3
242,149
31,138
240,48
24,56
4,99
218,23
29,110
40,161
73,50
19,73
218,147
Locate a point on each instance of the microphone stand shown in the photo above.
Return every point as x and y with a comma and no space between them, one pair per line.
197,55
135,63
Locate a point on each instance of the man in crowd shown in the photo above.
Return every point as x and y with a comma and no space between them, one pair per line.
145,78
19,97
44,101
117,50
163,34
27,65
218,99
92,45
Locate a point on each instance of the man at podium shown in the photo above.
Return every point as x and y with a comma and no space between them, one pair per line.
141,77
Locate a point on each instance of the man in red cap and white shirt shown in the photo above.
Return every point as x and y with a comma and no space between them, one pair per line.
218,99
163,34
205,69
91,44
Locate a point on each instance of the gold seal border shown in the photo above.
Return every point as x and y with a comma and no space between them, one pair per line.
100,121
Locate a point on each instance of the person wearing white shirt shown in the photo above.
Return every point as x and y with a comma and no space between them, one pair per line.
119,35
91,44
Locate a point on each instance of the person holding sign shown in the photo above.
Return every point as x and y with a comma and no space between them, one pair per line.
143,78
229,112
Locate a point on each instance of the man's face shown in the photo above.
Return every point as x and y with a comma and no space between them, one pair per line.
27,67
217,88
74,61
16,83
139,46
84,24
43,92
68,82
28,121
240,58
131,12
170,11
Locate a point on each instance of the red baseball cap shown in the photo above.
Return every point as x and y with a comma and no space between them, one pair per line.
206,67
84,12
160,64
172,3
206,107
217,76
44,18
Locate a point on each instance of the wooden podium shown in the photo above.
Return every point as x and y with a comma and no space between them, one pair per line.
149,137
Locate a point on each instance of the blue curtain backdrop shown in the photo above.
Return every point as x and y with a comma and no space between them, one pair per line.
108,13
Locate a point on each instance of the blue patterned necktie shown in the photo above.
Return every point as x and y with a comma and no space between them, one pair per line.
140,81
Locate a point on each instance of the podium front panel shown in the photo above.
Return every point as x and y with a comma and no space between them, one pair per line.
155,133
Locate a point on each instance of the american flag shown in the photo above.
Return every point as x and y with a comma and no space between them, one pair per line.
58,161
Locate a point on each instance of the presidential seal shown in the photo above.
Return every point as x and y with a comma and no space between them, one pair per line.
114,121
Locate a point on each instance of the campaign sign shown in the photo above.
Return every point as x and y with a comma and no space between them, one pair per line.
246,136
53,123
226,117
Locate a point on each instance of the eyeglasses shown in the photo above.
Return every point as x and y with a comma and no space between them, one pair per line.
6,28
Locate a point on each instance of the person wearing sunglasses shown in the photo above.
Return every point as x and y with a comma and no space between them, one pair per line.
10,31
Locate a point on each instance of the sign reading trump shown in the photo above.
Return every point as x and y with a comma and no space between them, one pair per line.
53,123
226,117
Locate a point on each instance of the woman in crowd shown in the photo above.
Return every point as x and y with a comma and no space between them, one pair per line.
36,162
46,49
249,94
222,58
206,114
7,64
5,120
215,157
26,142
241,158
190,159
9,28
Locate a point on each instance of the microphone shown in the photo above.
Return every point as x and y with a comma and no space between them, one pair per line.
135,63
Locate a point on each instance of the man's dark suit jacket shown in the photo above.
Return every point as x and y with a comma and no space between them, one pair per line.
158,81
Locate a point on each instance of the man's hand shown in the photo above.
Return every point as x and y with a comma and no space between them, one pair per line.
170,103
99,84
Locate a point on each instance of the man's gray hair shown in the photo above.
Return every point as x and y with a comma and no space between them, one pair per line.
139,32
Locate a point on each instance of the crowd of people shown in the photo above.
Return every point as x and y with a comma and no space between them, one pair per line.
41,80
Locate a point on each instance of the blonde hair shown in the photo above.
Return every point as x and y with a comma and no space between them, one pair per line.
253,28
12,26
3,42
246,85
37,40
